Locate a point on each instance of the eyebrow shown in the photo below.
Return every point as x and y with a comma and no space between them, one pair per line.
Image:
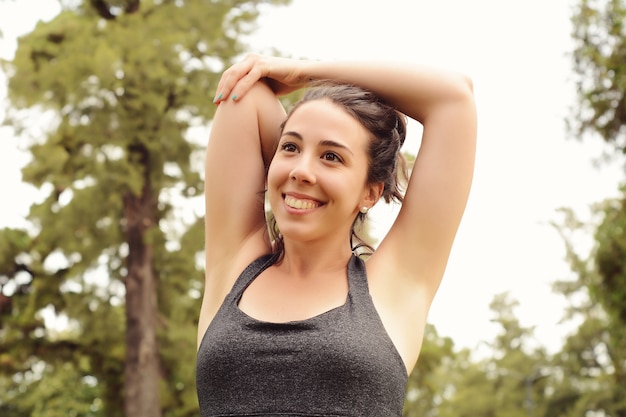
325,142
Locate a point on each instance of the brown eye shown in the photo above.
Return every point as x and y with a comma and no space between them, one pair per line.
331,156
289,147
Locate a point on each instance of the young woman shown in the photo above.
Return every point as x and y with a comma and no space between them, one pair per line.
293,323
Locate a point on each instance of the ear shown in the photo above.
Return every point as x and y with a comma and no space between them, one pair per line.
372,194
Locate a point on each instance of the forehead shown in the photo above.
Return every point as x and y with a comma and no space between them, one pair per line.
324,120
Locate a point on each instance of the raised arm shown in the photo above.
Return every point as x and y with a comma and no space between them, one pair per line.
240,146
417,247
237,154
421,239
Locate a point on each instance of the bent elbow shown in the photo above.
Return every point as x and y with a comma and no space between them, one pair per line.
466,86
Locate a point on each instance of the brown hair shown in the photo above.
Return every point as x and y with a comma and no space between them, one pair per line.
387,128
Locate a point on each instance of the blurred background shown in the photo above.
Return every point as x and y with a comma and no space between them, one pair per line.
106,108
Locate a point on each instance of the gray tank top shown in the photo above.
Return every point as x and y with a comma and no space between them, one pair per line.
339,363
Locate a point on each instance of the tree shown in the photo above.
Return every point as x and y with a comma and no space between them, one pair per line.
593,360
610,260
599,57
596,350
428,380
586,379
111,252
512,381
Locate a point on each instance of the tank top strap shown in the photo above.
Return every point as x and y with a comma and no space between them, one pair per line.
357,277
248,275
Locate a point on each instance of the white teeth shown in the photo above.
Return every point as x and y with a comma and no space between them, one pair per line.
300,204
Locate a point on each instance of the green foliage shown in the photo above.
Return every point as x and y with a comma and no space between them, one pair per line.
610,259
12,243
587,383
513,381
610,292
592,363
59,392
515,378
599,32
428,379
123,82
596,354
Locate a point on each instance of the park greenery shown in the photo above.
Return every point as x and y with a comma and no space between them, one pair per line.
100,294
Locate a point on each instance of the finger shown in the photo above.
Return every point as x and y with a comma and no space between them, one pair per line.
245,83
229,78
225,85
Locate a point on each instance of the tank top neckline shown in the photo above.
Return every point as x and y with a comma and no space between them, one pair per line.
266,262
358,289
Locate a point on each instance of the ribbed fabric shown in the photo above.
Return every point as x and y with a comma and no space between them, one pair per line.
339,363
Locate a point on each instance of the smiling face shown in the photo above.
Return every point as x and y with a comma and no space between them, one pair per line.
317,180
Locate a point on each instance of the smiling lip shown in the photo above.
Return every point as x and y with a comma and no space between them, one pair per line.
300,202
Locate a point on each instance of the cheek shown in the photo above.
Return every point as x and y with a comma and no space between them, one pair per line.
279,170
275,177
273,174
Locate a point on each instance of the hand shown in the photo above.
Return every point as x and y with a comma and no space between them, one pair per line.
281,74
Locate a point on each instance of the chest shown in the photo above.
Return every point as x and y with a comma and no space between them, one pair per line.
278,297
301,366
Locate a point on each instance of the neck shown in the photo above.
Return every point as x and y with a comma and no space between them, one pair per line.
307,258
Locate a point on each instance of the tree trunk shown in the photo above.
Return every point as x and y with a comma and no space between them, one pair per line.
142,367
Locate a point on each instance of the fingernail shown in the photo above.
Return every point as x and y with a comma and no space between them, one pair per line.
218,98
234,97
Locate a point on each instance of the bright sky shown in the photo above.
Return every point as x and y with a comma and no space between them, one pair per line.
516,53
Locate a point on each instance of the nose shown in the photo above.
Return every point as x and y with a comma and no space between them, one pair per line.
303,171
